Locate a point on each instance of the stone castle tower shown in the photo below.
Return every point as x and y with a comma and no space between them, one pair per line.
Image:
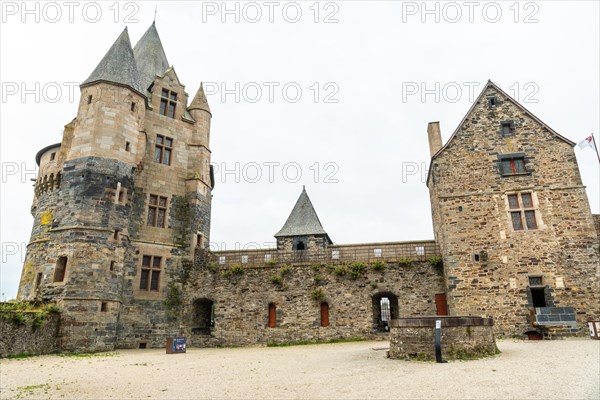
121,201
512,220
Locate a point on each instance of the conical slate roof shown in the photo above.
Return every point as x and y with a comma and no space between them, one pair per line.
118,65
200,102
303,219
150,57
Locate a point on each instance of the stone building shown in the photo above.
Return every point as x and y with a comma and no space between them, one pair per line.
513,222
121,200
122,221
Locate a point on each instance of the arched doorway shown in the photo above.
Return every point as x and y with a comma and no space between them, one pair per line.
385,308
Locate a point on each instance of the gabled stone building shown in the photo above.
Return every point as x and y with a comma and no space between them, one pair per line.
513,221
122,221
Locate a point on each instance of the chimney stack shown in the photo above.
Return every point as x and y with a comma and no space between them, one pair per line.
435,137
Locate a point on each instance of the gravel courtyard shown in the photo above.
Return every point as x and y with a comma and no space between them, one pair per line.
567,369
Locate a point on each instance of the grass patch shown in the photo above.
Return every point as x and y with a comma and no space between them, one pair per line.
306,343
19,356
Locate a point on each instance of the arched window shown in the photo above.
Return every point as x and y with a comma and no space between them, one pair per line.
272,315
324,314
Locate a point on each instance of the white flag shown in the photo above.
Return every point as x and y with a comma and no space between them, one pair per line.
587,142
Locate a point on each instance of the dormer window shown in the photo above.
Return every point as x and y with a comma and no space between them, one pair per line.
168,101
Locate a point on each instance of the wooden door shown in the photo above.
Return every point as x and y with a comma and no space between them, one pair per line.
441,306
324,314
272,315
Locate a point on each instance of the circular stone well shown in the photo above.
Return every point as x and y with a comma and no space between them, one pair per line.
462,338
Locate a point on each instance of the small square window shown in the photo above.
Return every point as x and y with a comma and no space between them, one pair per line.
420,250
492,101
335,254
377,252
507,128
221,260
535,281
244,259
268,257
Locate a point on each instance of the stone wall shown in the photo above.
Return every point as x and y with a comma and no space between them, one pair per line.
23,338
242,295
489,265
462,338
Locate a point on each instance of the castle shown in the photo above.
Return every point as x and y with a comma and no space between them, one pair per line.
122,223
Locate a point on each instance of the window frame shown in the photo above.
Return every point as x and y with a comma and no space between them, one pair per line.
163,149
511,160
521,211
168,103
155,209
507,128
151,270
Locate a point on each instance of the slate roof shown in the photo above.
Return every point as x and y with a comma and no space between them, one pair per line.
303,220
150,57
118,65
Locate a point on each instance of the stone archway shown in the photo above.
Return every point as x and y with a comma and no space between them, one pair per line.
385,308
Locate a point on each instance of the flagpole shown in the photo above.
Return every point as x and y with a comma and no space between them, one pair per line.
596,148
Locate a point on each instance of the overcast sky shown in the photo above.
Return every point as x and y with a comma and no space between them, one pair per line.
332,95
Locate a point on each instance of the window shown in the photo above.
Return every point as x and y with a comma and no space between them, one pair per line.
38,281
112,266
132,106
103,307
377,252
300,246
244,259
335,254
90,99
167,103
52,156
199,240
60,269
513,166
507,128
150,274
522,211
163,150
222,260
492,101
127,146
535,281
268,257
157,211
324,315
420,250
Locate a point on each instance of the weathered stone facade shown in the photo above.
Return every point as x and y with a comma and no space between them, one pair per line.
461,338
25,338
122,221
512,217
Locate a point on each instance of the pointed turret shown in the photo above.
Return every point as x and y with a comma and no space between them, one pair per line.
303,220
118,66
200,102
150,56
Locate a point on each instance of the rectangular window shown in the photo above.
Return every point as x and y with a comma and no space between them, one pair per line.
535,281
420,250
268,257
103,307
60,269
150,273
507,128
163,149
513,166
52,156
157,211
168,103
377,252
522,211
335,254
244,259
221,260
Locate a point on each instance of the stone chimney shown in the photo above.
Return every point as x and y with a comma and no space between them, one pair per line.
435,137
